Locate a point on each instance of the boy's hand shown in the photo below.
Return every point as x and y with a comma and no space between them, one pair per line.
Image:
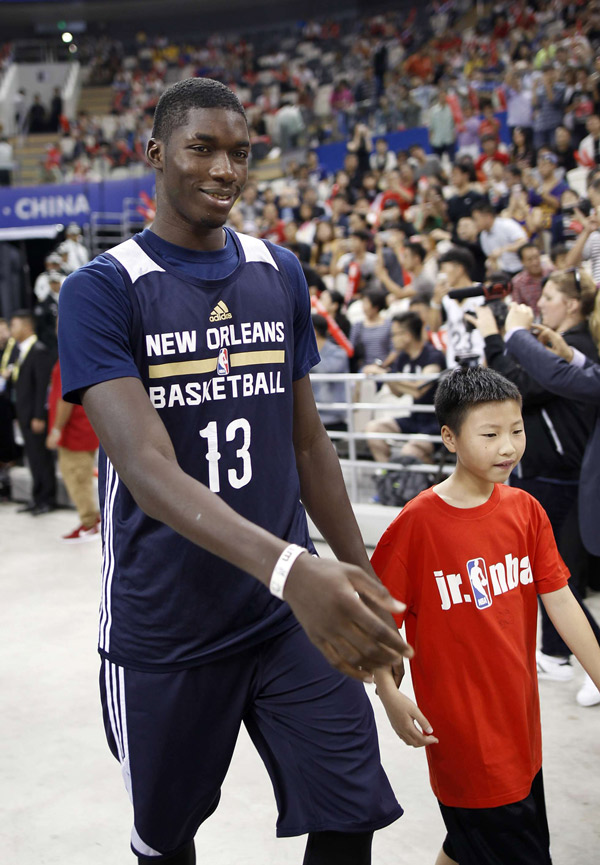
403,714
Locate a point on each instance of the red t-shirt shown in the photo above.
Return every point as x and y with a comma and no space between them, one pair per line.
77,433
470,580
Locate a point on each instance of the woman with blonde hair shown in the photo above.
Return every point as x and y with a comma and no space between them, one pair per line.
569,489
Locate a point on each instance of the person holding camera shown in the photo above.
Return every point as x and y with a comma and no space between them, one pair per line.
455,274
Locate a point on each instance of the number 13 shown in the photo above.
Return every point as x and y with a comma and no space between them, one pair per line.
213,455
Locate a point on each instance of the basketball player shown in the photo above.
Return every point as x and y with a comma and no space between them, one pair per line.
189,348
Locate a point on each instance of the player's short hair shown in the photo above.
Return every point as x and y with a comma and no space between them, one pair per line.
179,99
464,388
461,256
412,322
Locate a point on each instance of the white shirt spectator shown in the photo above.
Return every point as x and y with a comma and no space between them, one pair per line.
78,253
503,232
462,342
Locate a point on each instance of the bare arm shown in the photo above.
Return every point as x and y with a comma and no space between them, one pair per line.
135,440
63,413
569,620
415,388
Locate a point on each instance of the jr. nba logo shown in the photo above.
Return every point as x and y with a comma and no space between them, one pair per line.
480,584
223,362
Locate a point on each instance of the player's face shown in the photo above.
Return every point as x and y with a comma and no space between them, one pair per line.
490,443
202,168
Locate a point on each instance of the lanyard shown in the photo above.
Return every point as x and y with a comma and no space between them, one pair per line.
21,358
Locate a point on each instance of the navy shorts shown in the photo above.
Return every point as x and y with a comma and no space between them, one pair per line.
515,834
174,734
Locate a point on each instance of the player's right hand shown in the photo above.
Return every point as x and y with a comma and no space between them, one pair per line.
326,597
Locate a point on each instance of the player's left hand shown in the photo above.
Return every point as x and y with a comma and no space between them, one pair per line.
326,597
519,315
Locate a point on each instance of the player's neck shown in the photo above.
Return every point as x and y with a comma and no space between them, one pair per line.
193,237
464,490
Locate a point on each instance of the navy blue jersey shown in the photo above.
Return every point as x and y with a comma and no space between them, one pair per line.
217,358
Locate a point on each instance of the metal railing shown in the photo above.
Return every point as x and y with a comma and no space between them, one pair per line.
350,406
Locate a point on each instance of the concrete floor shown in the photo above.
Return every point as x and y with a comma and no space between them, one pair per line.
62,801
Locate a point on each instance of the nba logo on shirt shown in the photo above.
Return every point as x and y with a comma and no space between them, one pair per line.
480,585
223,362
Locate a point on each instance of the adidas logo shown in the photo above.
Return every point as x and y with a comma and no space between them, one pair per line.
220,312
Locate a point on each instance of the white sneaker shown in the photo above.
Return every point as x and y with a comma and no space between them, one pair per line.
588,694
557,669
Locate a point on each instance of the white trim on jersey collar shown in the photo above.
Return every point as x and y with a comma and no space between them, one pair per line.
256,250
136,262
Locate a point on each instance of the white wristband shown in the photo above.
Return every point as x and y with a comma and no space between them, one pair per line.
282,569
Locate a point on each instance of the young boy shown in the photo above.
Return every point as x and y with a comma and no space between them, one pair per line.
469,557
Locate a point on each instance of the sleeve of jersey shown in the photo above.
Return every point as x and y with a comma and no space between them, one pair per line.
549,571
94,324
390,566
306,354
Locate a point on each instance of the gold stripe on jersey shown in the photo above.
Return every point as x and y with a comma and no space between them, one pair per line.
197,367
184,367
255,358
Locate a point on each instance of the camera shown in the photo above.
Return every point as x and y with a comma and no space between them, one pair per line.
494,291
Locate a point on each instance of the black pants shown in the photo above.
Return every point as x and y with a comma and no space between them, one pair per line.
560,503
41,466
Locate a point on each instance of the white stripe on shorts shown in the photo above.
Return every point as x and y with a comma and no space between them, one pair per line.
108,563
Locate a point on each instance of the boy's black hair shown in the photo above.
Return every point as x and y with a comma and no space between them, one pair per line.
411,321
176,102
463,388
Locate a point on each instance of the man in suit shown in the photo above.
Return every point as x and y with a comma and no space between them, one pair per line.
30,378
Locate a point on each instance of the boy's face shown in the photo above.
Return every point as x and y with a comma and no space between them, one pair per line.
490,443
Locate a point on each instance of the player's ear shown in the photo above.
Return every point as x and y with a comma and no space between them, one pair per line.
448,438
154,153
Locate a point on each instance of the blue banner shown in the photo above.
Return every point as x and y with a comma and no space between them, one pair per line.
331,156
28,206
